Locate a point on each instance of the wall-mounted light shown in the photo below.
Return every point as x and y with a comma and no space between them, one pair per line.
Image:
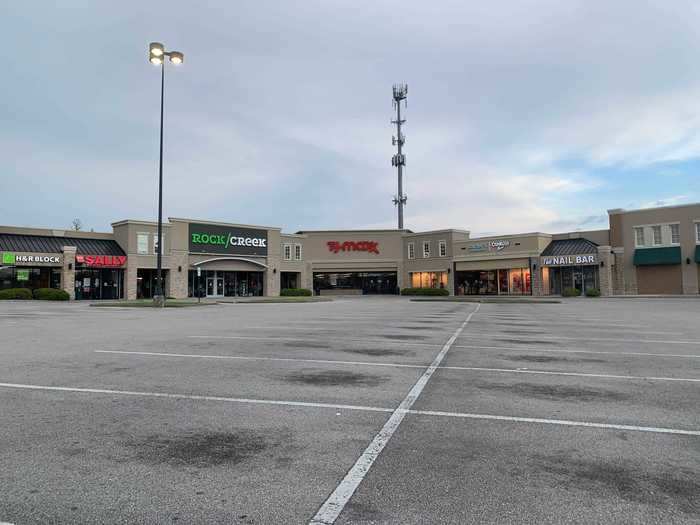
602,264
274,270
448,270
534,266
687,260
70,266
179,268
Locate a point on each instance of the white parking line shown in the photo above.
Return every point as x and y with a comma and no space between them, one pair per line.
334,505
396,365
314,340
587,339
437,413
560,351
564,422
194,397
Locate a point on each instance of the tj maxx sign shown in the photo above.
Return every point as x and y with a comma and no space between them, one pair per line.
353,246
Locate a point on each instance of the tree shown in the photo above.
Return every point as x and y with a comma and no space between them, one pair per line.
76,225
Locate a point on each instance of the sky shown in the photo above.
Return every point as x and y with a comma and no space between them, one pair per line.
522,115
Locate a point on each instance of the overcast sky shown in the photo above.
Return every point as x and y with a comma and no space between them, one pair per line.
522,115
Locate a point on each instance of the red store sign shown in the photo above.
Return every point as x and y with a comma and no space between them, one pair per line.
352,246
101,261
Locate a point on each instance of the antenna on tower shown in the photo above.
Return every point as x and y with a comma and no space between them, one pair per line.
400,92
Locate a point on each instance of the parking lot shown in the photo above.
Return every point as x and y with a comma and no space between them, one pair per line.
364,410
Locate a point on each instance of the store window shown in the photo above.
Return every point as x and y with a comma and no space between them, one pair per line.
32,278
697,232
656,234
514,281
99,283
426,249
442,248
412,250
428,279
155,244
639,236
675,233
142,243
297,252
287,252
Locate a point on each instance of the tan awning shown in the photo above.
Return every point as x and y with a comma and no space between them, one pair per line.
496,264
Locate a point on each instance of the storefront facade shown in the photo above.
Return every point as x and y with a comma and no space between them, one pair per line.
654,251
501,265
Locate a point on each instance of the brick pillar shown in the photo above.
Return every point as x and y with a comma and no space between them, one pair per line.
68,271
536,279
271,286
178,275
131,269
605,268
619,284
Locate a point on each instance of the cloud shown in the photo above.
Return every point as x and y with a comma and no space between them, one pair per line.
528,116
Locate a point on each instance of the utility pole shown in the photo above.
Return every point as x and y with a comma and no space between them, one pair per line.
400,91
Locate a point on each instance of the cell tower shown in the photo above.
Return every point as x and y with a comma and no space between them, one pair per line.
400,92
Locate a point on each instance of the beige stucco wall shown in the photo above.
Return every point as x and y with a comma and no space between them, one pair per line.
622,224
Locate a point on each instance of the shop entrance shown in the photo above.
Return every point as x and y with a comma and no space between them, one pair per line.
219,283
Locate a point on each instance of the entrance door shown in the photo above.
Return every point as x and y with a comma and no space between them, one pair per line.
210,286
215,284
578,278
220,285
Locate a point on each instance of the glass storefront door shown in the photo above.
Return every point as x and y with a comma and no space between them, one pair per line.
580,277
218,283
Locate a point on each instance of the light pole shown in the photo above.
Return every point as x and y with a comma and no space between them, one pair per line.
156,56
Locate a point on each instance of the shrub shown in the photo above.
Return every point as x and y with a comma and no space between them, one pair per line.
51,294
593,292
16,293
295,292
571,292
425,291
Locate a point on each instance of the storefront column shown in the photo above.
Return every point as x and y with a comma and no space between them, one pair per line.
271,286
536,280
68,271
606,260
131,279
179,275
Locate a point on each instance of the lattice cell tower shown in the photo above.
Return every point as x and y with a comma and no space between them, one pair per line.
400,91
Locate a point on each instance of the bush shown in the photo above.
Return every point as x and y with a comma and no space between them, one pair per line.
593,292
16,293
425,291
571,292
295,292
51,294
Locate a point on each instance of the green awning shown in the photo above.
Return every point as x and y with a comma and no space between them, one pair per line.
697,253
654,256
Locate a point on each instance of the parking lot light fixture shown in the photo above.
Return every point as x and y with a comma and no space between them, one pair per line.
156,56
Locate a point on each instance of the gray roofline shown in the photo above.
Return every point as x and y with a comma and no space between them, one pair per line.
619,211
539,234
432,232
217,223
138,221
304,232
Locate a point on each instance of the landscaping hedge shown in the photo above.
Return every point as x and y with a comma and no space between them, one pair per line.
50,294
593,292
16,293
425,291
571,292
295,292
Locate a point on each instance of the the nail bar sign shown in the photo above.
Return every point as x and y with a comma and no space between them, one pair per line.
569,260
101,261
353,246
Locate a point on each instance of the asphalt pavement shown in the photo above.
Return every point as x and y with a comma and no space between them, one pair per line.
361,410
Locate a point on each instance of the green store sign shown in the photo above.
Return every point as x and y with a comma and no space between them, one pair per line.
8,258
230,240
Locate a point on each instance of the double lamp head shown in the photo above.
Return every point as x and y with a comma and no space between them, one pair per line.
157,54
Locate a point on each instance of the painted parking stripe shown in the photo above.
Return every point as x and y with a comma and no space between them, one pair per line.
537,337
564,422
395,365
193,397
250,358
313,340
561,351
336,502
303,404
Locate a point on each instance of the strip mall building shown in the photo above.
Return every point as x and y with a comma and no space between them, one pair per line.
649,251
